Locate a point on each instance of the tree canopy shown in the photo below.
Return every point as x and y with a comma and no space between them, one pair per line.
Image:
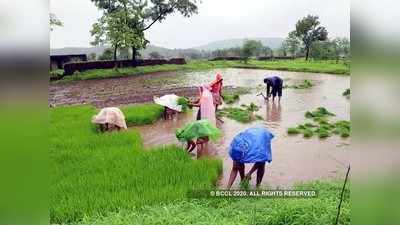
251,48
136,16
54,21
308,29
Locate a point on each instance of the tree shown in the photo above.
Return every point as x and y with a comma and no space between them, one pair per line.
251,48
309,31
155,55
92,56
292,43
323,50
111,29
107,54
140,15
54,21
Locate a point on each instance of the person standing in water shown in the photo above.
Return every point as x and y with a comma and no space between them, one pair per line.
216,90
274,87
253,145
206,105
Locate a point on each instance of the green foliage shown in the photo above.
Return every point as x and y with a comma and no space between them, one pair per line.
233,96
108,54
142,114
346,93
320,210
251,48
57,73
54,21
94,174
309,31
124,21
324,128
293,130
306,84
319,112
184,102
243,115
230,98
155,55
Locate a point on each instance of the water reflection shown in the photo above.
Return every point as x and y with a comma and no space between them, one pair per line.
274,111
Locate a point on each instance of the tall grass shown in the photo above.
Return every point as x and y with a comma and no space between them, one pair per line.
142,114
94,174
315,211
299,65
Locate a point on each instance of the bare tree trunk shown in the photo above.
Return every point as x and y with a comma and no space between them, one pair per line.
307,52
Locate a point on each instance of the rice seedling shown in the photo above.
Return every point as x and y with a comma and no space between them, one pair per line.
233,95
320,210
142,114
318,113
304,85
293,130
184,102
243,115
230,98
346,93
321,126
98,173
307,133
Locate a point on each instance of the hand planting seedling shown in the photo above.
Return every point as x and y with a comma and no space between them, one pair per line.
321,125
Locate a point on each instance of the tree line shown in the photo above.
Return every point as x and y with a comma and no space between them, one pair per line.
123,23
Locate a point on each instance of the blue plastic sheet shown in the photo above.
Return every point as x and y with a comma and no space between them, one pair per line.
252,145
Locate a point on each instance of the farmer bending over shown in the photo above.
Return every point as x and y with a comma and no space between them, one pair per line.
250,146
274,87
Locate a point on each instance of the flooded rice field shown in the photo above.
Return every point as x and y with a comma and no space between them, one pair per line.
295,158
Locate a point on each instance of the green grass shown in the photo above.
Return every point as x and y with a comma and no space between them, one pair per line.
142,114
299,65
95,173
316,211
321,125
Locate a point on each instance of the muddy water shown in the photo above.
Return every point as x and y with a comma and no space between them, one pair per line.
295,159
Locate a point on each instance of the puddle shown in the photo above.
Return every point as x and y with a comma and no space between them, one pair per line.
295,159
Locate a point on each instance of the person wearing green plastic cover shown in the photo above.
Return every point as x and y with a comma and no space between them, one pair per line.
201,131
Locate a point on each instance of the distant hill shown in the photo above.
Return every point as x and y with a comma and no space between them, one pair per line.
171,53
166,52
273,43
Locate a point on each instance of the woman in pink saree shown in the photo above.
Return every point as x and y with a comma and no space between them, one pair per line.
216,90
206,105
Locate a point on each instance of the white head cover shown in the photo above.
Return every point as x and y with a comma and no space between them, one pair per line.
170,101
110,115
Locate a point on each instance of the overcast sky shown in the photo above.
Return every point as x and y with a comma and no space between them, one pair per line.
216,20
